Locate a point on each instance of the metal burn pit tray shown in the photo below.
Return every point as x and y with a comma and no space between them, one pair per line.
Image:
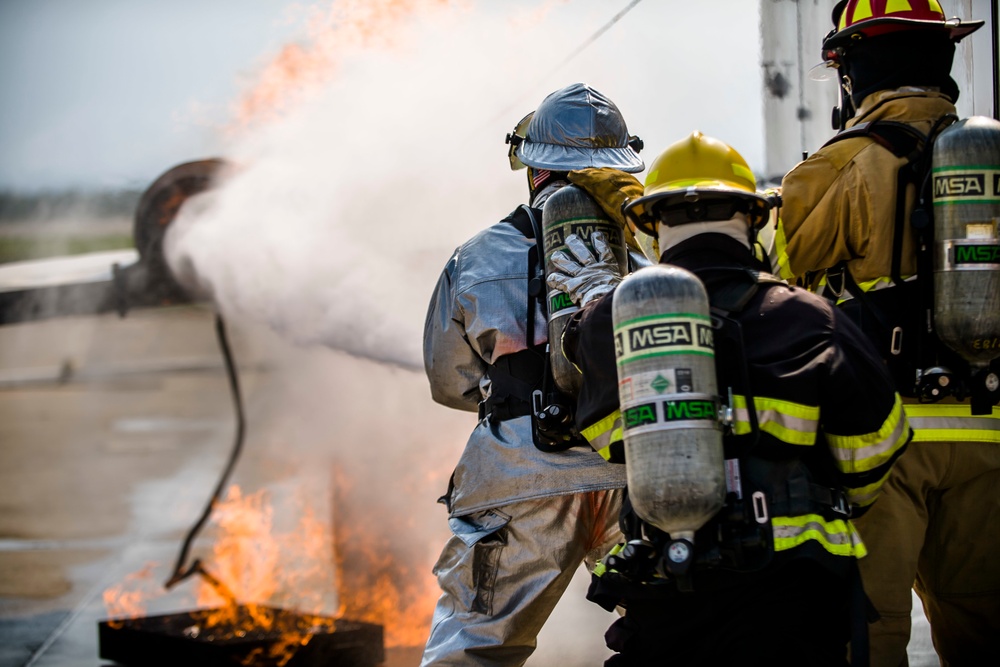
178,639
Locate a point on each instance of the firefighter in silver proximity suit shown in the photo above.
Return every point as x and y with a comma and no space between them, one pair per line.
523,519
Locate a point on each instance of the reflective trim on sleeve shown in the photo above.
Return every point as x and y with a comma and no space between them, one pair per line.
866,495
781,252
601,434
789,422
952,422
861,453
839,537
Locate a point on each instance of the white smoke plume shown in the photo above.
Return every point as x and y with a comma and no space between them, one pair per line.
339,215
384,151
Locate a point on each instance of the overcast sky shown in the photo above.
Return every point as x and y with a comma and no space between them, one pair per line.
110,93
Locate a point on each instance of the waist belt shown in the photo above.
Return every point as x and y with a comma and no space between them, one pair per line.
513,378
804,497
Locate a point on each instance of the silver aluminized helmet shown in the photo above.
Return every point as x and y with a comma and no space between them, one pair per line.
575,128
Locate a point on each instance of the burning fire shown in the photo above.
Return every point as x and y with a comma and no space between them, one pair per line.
256,570
379,579
128,598
344,27
365,565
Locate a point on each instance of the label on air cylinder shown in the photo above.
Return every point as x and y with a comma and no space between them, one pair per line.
676,411
554,236
658,335
639,386
966,255
966,185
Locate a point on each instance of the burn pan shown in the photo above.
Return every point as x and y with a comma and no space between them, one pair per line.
181,639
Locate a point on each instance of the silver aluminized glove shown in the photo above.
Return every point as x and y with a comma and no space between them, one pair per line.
589,279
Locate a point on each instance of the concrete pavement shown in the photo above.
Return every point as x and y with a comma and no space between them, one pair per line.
115,431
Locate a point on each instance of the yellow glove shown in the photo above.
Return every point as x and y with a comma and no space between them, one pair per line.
612,190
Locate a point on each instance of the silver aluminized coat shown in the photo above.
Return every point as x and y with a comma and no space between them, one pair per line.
475,317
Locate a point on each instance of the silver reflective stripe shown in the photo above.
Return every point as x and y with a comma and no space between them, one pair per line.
790,422
868,451
838,536
952,423
601,434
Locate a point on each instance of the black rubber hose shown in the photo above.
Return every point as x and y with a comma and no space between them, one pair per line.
181,573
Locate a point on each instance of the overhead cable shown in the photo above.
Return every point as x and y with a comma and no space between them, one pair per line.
573,54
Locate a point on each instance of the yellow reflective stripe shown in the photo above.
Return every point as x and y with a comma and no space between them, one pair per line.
793,423
871,286
742,172
955,435
945,410
860,453
952,422
781,249
601,434
602,566
866,495
868,285
839,537
935,6
862,10
893,6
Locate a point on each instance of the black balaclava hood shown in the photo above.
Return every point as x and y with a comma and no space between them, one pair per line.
905,58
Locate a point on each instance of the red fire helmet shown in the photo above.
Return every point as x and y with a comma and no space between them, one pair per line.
860,19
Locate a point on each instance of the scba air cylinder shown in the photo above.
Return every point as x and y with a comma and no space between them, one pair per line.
965,180
571,210
667,393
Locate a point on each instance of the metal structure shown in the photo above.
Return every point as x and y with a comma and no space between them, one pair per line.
111,281
797,108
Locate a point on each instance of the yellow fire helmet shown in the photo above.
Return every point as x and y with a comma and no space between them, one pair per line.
694,179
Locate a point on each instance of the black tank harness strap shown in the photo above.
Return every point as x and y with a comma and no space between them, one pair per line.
916,148
730,290
513,377
904,142
521,382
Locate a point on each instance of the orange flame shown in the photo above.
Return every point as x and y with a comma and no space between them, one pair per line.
379,579
262,569
245,557
345,27
128,599
266,569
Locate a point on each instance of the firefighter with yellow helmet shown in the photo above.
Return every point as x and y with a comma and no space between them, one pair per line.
754,420
873,221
